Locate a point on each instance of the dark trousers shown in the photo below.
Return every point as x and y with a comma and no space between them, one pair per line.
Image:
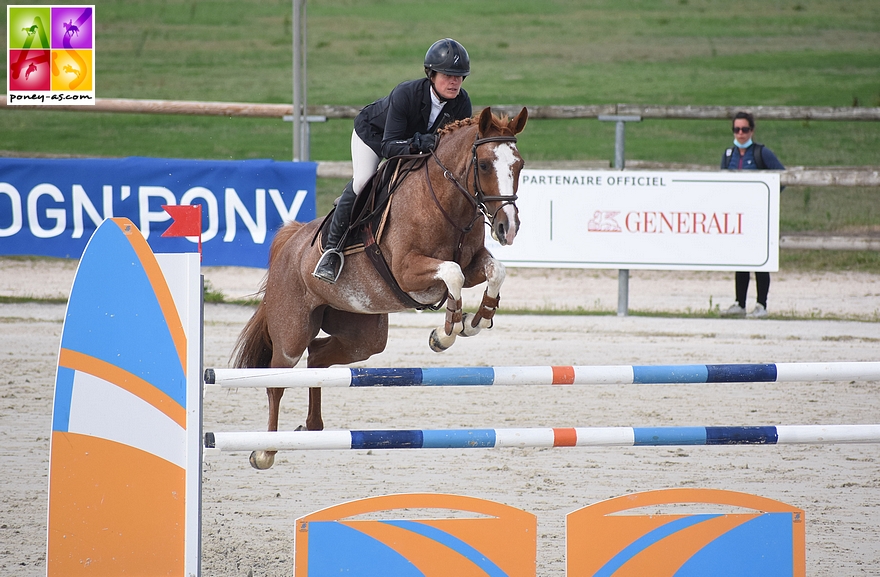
762,279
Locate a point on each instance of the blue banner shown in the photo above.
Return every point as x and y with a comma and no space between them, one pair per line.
51,207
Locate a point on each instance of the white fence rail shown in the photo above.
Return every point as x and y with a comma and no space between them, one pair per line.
794,176
256,110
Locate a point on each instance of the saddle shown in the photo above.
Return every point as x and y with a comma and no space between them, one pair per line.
369,216
370,210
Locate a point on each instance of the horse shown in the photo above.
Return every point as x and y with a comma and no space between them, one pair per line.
70,28
433,242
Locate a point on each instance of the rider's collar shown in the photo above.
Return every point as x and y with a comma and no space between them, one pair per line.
435,98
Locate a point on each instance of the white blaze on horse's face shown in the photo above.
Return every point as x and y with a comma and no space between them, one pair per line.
506,158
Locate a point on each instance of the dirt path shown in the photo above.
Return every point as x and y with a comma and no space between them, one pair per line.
249,516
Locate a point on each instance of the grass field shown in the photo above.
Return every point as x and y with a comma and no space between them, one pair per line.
793,52
555,52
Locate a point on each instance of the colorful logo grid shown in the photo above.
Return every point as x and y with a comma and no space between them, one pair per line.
50,55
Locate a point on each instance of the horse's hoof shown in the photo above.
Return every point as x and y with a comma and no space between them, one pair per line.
439,344
467,329
261,460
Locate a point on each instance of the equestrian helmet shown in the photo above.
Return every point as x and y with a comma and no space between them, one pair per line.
449,57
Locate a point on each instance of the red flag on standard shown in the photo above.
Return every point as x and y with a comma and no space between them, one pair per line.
186,220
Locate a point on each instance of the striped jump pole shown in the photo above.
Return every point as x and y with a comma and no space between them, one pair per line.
540,437
543,375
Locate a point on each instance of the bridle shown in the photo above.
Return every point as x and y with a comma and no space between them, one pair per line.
478,198
481,197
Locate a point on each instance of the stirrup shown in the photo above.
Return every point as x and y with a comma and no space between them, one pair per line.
325,270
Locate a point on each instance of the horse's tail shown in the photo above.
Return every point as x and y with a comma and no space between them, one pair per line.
253,349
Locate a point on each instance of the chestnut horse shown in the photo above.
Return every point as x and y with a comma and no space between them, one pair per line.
433,243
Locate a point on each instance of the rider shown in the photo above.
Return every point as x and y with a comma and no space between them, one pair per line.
404,122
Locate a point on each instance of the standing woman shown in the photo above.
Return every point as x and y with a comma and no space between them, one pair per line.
404,122
748,155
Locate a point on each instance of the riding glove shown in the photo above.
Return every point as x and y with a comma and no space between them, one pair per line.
423,142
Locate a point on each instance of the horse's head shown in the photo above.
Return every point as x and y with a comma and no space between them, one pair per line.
496,166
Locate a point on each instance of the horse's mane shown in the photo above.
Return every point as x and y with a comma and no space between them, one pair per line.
501,122
452,126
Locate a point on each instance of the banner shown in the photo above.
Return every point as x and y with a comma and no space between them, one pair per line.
52,207
646,220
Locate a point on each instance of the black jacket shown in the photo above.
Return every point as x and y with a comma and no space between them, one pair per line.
388,124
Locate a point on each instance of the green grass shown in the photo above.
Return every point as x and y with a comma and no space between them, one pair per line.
202,137
829,260
791,52
210,295
849,210
7,300
116,135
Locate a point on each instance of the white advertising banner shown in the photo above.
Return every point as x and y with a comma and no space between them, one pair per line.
646,220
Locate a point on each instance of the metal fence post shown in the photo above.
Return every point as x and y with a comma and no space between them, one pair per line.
300,124
619,147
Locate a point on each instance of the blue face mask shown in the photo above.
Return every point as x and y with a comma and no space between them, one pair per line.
738,145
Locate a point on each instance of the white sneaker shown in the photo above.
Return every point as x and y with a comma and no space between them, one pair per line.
759,312
734,311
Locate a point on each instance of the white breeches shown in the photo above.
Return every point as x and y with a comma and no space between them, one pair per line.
364,162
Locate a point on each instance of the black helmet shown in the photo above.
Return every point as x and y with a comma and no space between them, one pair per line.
449,57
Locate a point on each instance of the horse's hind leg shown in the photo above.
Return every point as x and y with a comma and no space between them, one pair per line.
353,337
314,420
265,459
284,354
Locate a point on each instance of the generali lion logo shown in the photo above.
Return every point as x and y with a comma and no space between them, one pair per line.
604,221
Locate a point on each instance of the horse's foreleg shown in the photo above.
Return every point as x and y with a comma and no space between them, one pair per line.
265,459
495,273
483,318
443,337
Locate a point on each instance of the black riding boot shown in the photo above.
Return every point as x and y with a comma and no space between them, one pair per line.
330,264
